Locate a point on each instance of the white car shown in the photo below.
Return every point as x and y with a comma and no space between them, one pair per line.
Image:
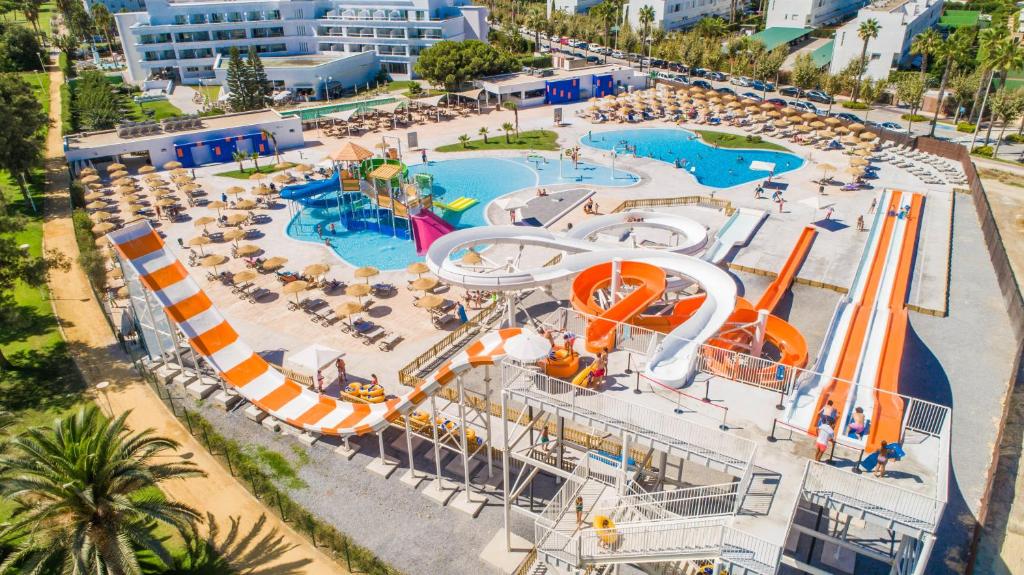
618,54
741,81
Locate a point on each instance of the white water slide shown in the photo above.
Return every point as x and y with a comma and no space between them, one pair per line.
737,231
674,360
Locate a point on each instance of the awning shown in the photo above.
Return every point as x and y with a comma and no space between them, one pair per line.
431,102
390,108
777,36
759,166
473,94
385,171
344,115
312,358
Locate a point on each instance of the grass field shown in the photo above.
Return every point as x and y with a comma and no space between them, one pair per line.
46,12
532,140
725,140
161,109
248,171
210,92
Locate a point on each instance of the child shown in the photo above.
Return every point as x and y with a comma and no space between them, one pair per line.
883,457
579,511
856,427
825,436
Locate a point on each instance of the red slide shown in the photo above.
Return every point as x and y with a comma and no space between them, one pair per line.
427,227
651,285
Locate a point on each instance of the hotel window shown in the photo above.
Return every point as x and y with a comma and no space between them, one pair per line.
297,14
273,14
235,17
216,18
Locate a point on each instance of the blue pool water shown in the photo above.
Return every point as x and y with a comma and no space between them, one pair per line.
718,168
482,178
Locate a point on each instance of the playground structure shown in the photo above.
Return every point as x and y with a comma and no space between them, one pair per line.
644,524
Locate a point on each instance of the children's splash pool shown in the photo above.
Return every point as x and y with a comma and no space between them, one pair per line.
715,167
483,179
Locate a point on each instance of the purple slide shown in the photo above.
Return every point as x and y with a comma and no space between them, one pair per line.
427,227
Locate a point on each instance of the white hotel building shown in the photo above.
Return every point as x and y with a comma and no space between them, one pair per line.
305,44
809,13
678,14
899,22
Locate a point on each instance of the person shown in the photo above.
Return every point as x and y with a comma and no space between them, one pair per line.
423,155
860,223
568,341
821,189
320,231
828,213
181,243
884,453
158,211
758,192
544,439
579,511
339,364
874,204
223,197
512,216
828,414
330,228
606,541
602,359
460,310
856,427
825,436
782,203
588,208
568,227
596,375
319,381
373,379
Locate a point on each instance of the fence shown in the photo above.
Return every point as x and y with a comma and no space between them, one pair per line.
441,349
701,501
703,201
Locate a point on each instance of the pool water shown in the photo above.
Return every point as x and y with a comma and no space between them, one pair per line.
484,179
714,167
318,111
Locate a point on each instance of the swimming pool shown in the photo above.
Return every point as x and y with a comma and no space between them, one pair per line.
317,111
483,179
715,167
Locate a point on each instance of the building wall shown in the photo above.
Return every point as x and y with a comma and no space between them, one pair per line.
677,14
115,6
183,39
809,13
573,6
355,69
892,46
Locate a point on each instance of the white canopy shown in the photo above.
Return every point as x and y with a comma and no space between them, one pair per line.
390,108
344,115
758,165
312,358
430,102
528,346
473,94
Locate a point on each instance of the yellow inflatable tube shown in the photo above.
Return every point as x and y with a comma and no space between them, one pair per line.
581,378
606,530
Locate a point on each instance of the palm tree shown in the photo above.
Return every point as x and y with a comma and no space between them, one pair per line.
508,128
988,39
646,17
515,110
483,131
1006,107
713,27
605,14
867,31
1007,55
464,140
86,495
926,43
255,157
268,135
954,50
240,157
872,91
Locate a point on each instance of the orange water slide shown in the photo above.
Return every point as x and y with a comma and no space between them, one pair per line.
778,288
887,416
650,285
838,388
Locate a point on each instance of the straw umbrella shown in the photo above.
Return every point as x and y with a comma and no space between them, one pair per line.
867,136
817,125
856,127
204,221
122,292
234,190
116,166
859,161
856,171
88,171
234,235
316,270
189,188
262,190
147,169
418,268
833,121
96,205
217,205
348,309
358,291
135,208
236,219
118,174
90,179
103,227
245,250
258,176
283,165
166,202
199,242
303,168
471,258
826,169
282,179
296,287
124,181
429,301
274,262
172,165
243,276
245,205
92,196
100,216
424,284
808,116
366,272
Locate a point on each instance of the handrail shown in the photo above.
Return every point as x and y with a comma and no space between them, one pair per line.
406,375
565,496
699,501
706,201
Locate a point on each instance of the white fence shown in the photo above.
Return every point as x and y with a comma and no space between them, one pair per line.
700,501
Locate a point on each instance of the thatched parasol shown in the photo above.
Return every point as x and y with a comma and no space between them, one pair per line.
172,165
296,287
424,284
366,272
103,227
243,276
429,301
316,270
248,250
274,262
204,221
418,268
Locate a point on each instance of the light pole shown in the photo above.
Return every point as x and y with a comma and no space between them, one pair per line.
320,80
102,386
329,78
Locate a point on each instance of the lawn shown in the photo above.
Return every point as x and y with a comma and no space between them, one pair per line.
210,92
532,140
40,82
46,12
245,173
160,109
724,140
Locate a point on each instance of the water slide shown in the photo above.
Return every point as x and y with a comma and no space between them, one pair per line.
427,227
145,258
674,361
649,284
303,193
691,236
737,231
778,288
864,341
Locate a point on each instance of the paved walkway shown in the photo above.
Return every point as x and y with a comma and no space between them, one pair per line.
182,96
280,549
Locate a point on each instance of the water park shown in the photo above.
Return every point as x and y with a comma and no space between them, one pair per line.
654,349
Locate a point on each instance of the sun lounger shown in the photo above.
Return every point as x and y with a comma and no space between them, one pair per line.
389,341
371,335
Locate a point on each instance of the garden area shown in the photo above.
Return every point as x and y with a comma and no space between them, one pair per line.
506,139
96,101
724,140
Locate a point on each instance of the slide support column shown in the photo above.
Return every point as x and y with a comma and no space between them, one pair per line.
616,279
759,332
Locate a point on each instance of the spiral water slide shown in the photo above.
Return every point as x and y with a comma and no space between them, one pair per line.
673,362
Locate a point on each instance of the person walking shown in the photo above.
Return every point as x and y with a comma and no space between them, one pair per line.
826,435
423,155
579,511
460,310
339,364
319,381
860,223
874,204
828,214
884,453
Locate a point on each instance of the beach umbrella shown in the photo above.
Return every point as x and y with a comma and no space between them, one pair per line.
841,130
429,301
92,196
316,270
245,205
274,262
303,168
234,190
783,123
118,174
124,181
100,216
282,178
817,125
147,169
803,128
833,121
204,221
471,258
248,250
216,205
366,272
116,273
358,291
122,292
243,276
134,198
262,190
172,165
182,180
851,139
527,347
862,153
236,219
856,171
95,205
115,167
856,127
859,161
826,168
258,176
826,133
166,202
418,268
295,287
212,261
87,171
283,165
774,114
135,208
424,284
188,188
867,136
348,309
90,178
103,227
199,242
95,186
510,203
235,234
808,116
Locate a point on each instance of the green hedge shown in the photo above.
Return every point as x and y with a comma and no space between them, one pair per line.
67,116
965,127
89,255
244,464
985,151
535,61
914,117
851,105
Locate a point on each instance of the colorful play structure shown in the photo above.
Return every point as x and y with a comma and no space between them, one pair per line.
378,194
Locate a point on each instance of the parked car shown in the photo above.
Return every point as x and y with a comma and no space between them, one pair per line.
593,59
717,76
802,105
792,92
751,96
890,126
659,63
699,72
618,54
725,90
848,117
777,102
741,81
762,86
702,84
820,97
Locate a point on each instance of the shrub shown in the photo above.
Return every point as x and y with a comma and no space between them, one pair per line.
535,61
851,105
89,257
985,151
67,106
754,139
966,127
914,117
1015,138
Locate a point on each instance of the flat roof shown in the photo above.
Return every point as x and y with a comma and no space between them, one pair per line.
776,36
520,78
822,55
291,61
109,137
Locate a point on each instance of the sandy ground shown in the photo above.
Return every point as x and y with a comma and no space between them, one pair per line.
280,550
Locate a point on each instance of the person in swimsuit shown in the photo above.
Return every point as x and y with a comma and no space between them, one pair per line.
579,511
883,459
856,427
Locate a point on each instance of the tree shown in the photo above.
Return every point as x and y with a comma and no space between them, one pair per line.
805,72
31,9
103,21
646,17
464,140
925,44
483,131
964,86
508,128
515,110
240,157
451,64
255,157
872,91
867,31
1006,55
766,68
235,82
988,39
86,495
607,14
910,90
954,51
67,44
1006,106
21,140
20,50
259,87
832,84
711,28
96,105
268,135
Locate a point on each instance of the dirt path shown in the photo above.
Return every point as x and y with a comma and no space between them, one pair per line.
278,549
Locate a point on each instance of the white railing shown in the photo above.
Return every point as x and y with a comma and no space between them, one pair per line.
696,538
751,552
701,501
566,496
714,445
874,497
